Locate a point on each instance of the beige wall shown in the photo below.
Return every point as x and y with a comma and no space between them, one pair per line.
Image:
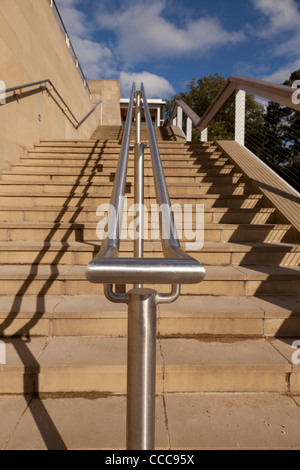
109,92
33,48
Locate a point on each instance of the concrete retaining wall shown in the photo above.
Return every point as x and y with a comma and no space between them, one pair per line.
33,48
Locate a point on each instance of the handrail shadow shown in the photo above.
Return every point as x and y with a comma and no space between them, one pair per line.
43,420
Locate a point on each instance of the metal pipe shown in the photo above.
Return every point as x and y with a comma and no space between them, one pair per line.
110,246
141,369
139,181
88,114
177,267
65,32
47,80
138,184
145,271
167,223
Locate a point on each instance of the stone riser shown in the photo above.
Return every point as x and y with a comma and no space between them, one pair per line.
69,256
191,190
59,285
112,379
65,201
262,316
185,327
70,165
234,216
174,169
89,373
109,178
88,234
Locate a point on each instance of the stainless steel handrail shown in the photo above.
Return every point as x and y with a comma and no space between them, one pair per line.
70,45
177,267
67,108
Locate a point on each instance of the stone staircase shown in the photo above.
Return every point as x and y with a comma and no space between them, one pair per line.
116,133
225,343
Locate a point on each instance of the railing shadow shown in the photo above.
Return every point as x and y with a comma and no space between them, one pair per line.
39,412
284,259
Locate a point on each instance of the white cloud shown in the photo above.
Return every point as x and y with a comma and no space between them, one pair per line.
155,86
283,73
282,15
96,59
75,21
144,34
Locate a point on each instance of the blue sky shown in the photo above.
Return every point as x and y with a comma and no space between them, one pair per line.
165,43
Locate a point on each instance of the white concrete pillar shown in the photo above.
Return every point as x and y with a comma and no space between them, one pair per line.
189,126
179,117
240,116
204,135
158,116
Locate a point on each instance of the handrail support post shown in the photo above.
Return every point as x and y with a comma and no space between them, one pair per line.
204,135
240,116
179,117
141,369
189,127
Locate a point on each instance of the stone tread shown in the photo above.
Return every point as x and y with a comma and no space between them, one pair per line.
96,306
241,273
83,365
207,421
151,246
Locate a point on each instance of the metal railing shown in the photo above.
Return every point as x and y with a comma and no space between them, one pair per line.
271,174
176,268
69,43
280,94
62,105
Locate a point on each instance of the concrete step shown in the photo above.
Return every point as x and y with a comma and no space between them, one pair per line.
88,145
210,316
66,200
81,364
110,166
197,421
105,188
88,214
212,253
86,231
114,152
109,176
219,280
92,165
84,160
